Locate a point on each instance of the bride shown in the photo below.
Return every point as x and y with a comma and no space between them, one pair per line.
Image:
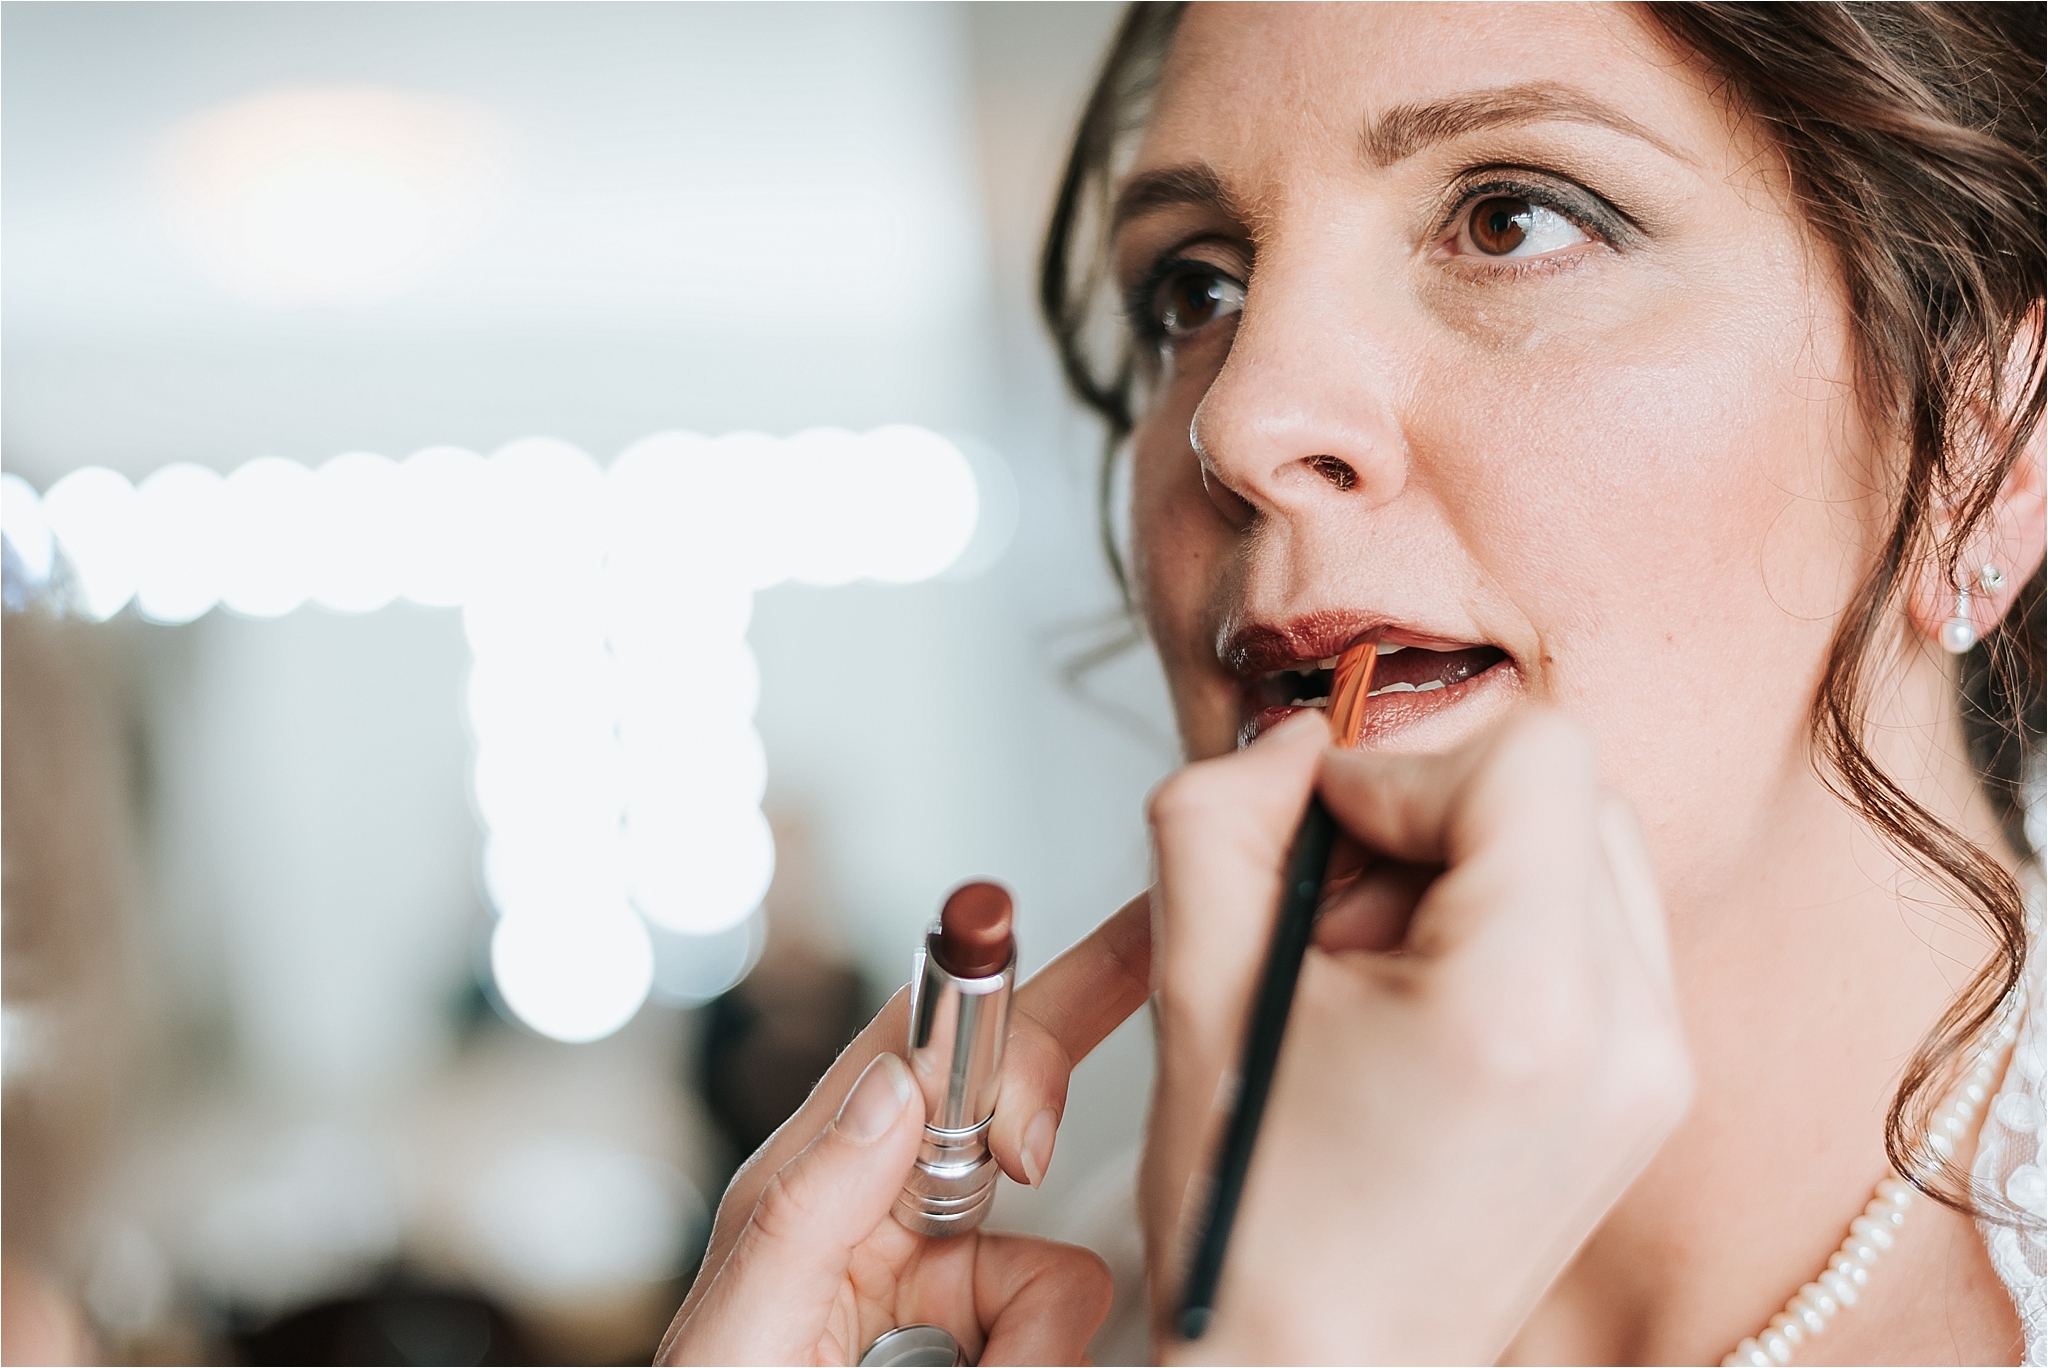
1666,383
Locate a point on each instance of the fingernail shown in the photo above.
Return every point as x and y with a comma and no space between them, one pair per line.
876,1101
1038,1141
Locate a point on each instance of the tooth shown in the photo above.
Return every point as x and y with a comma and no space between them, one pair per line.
1433,684
1327,664
1387,649
1392,688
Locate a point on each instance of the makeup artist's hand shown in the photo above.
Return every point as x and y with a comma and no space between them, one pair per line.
807,1265
819,1268
1483,1053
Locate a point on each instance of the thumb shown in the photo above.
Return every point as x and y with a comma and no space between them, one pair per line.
771,1299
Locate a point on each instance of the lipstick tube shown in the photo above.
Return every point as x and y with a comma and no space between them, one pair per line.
959,1016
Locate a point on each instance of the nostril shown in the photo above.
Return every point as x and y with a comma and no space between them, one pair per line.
1335,471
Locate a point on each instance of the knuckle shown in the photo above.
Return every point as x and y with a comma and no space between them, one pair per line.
1615,807
1036,1070
1533,1041
1192,792
1130,956
1179,1011
784,1211
1546,746
1034,1049
1094,1286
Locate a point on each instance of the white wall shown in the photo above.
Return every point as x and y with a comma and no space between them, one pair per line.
717,217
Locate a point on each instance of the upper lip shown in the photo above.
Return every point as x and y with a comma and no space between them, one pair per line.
1255,648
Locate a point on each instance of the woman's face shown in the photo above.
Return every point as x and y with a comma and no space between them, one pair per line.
1489,326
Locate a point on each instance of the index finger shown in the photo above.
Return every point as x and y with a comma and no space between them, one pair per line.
1061,1014
1096,983
1058,1016
1519,799
1439,808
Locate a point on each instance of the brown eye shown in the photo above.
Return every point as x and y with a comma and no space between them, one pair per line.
1498,225
1194,299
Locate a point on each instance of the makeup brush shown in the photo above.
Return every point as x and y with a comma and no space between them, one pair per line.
1307,861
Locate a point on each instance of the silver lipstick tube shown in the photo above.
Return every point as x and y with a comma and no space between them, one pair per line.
957,1027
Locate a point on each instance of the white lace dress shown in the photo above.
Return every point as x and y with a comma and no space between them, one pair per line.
2010,1160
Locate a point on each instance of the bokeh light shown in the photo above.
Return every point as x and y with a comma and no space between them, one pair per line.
575,973
268,517
558,1214
95,514
339,194
358,534
438,553
700,876
691,970
182,536
611,697
21,518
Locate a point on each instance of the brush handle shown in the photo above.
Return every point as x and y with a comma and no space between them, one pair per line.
1307,862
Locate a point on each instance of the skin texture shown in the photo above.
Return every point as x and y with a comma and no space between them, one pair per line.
1640,468
1597,1044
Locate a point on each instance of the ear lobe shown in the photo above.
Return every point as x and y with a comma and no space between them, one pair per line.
2012,539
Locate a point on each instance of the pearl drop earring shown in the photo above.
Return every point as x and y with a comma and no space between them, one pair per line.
1959,633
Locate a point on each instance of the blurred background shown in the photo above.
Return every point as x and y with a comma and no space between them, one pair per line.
541,540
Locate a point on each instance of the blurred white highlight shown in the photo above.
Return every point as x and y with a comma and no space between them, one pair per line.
612,692
269,512
564,1214
181,535
691,970
27,531
575,973
335,194
321,1207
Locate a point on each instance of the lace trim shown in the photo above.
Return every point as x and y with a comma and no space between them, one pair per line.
2010,1159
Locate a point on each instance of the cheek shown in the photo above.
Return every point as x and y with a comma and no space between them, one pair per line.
1171,551
1684,471
1181,556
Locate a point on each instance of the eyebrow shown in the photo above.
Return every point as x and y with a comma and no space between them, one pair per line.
1406,129
1190,184
1399,133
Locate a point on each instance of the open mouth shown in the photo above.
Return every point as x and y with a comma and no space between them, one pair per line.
1407,681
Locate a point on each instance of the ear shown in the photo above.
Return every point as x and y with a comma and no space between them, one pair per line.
2011,539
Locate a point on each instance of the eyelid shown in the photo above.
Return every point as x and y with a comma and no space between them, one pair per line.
1585,209
1137,300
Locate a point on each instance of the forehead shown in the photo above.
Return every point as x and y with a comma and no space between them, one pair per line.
1252,83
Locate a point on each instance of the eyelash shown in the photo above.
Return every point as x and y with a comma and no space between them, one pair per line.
1588,212
1138,299
1591,213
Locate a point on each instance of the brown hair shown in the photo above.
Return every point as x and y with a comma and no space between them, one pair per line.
1913,136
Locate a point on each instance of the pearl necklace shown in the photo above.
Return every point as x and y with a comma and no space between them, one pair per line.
1873,1233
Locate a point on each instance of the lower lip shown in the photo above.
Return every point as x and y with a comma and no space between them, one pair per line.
1383,713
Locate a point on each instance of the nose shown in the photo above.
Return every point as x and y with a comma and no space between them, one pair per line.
1300,421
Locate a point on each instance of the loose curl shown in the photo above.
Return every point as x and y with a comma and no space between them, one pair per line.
1913,136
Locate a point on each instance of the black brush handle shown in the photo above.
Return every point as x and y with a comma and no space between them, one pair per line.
1306,864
